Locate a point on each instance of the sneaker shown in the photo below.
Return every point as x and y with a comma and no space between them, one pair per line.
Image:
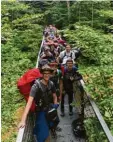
70,113
62,114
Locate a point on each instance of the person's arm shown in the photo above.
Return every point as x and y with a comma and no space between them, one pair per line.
73,56
55,98
42,55
28,105
26,111
58,59
61,88
53,89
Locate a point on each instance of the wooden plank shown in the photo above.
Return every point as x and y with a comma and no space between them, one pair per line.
66,133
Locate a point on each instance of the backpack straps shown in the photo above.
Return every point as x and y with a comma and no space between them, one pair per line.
39,85
58,73
71,54
42,99
66,55
65,70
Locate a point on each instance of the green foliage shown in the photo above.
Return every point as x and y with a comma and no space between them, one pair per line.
106,14
94,131
19,53
88,27
96,47
57,14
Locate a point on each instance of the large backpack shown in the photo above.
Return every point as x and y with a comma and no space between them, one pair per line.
25,83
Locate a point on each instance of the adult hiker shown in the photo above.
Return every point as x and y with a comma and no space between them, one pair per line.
47,54
64,55
57,77
68,79
44,93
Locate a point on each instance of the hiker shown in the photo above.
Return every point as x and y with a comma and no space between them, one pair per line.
47,54
64,55
55,50
44,93
57,77
52,29
42,62
46,30
68,79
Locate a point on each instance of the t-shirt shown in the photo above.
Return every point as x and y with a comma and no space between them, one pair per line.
65,55
56,78
68,84
35,88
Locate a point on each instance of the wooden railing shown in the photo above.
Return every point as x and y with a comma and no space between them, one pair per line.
98,114
92,111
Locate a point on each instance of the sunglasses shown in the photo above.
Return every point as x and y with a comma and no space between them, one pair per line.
46,73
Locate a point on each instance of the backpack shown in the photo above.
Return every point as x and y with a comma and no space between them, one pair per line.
77,52
78,128
53,121
43,97
25,83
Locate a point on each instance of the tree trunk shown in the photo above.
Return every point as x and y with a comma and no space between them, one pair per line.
68,8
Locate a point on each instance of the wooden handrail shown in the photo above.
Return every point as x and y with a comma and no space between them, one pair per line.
98,114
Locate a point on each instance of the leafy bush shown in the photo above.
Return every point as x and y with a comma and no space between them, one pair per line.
19,53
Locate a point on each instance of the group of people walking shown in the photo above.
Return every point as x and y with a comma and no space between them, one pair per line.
58,71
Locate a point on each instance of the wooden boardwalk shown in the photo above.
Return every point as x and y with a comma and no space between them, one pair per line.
66,133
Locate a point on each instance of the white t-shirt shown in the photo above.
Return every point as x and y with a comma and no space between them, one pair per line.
64,56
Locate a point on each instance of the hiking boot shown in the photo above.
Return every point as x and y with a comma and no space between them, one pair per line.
70,113
62,114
